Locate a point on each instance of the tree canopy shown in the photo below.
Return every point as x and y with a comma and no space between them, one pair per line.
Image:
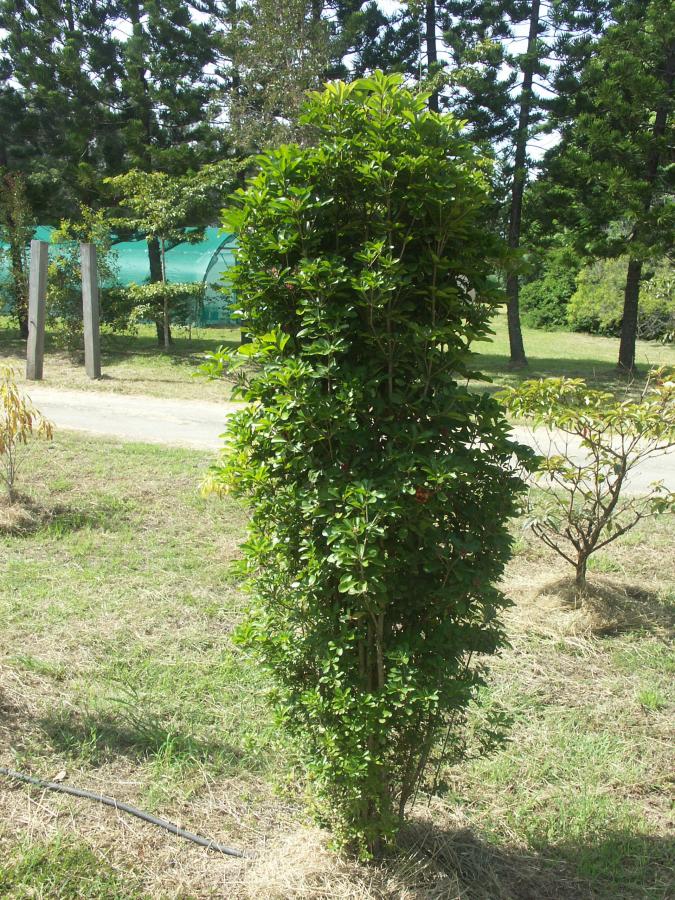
611,177
93,90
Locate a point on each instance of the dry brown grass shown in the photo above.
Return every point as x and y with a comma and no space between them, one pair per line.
116,665
293,861
17,517
24,515
609,606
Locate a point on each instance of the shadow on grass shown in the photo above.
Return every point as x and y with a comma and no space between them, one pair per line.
544,366
185,353
611,865
463,868
99,737
612,607
9,712
118,348
26,516
600,374
63,868
432,863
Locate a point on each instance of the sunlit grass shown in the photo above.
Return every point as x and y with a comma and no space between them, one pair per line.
131,364
117,667
135,364
566,353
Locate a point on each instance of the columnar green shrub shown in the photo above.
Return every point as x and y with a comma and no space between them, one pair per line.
380,485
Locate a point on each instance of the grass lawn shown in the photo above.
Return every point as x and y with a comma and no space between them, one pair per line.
134,364
116,666
131,364
558,353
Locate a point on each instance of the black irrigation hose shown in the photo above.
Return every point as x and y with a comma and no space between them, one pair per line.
127,808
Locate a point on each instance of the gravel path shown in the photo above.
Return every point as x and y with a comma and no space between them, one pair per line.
199,424
180,423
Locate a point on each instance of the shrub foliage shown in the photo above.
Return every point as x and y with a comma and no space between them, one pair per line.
544,300
20,422
595,444
183,300
597,303
380,484
64,281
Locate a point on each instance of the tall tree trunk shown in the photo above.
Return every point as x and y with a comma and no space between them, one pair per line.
70,16
518,357
155,260
137,67
631,297
432,48
166,329
629,321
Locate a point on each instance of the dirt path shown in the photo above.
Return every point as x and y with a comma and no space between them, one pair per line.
199,424
180,423
657,468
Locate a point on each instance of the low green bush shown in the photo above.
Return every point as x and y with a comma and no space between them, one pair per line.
543,303
146,302
545,294
597,304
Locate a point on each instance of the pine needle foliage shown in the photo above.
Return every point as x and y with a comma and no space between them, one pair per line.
380,485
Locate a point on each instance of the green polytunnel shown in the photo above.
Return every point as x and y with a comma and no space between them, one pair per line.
42,233
206,261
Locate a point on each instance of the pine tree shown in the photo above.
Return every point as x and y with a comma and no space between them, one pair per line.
394,42
165,119
612,174
504,58
166,114
105,86
60,57
12,114
411,41
273,51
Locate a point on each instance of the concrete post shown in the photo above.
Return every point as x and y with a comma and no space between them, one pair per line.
37,295
90,313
